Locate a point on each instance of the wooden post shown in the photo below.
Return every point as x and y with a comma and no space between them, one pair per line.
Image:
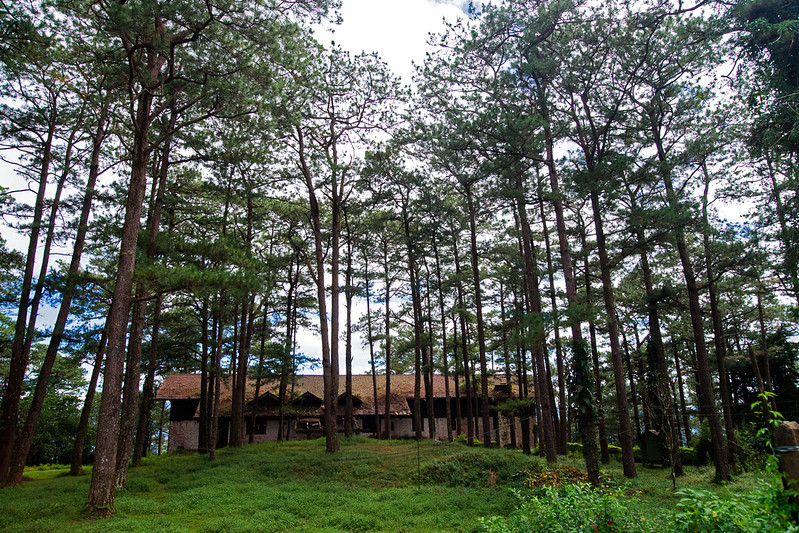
161,427
786,445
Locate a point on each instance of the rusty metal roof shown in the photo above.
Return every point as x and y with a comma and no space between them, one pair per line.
187,386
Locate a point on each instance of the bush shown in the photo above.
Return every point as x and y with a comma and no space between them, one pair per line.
702,445
575,449
615,452
763,510
477,469
461,439
688,455
554,477
572,508
754,448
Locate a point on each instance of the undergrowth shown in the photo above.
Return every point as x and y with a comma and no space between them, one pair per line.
369,485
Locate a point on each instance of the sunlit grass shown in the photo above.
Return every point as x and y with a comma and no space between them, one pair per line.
369,485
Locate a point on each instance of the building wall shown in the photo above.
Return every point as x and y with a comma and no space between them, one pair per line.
183,434
403,427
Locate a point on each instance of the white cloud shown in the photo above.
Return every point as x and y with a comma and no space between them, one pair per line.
397,31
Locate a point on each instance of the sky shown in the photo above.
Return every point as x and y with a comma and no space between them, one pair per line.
398,32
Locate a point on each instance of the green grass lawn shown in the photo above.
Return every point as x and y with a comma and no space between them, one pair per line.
369,486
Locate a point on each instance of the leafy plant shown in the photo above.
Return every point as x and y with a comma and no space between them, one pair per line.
575,449
571,508
763,510
766,509
554,477
476,469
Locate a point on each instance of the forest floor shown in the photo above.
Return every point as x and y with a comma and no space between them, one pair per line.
370,485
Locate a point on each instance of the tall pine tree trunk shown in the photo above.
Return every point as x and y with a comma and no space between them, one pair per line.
202,438
444,361
604,450
625,430
534,309
142,441
76,464
370,339
704,383
718,330
130,405
470,429
585,413
101,491
478,308
563,429
330,398
25,438
387,317
9,409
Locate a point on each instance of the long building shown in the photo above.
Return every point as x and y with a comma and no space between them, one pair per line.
303,414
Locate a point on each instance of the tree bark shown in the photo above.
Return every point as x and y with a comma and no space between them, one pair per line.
25,437
534,309
286,363
718,330
370,339
586,424
428,364
76,465
604,451
678,368
349,421
143,434
130,403
478,307
101,491
9,409
625,430
331,430
506,355
470,429
455,345
706,394
254,410
387,281
444,361
563,430
631,377
202,439
417,322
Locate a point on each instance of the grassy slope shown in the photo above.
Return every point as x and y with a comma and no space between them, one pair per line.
369,486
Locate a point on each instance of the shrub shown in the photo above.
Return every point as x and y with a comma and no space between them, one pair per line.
476,469
753,448
461,439
572,508
702,445
688,455
763,510
554,477
575,449
615,452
